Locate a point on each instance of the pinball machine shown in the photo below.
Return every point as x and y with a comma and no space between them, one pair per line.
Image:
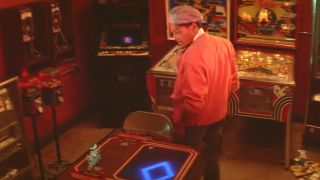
267,95
265,43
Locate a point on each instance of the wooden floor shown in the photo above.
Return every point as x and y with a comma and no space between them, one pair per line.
252,148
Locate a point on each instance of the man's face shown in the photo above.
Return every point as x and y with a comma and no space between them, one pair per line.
183,33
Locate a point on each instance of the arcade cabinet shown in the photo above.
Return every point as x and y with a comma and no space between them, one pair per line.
15,159
122,59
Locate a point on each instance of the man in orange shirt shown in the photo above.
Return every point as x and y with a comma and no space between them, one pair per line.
206,78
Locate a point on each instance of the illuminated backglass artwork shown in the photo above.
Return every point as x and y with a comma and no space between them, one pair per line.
267,21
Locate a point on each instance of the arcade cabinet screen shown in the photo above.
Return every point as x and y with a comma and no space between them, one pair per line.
124,37
154,163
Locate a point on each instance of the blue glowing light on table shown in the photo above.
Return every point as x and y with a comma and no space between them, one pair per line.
148,175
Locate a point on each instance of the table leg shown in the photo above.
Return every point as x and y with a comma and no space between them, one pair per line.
287,152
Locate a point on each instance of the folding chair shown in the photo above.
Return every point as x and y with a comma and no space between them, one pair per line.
149,124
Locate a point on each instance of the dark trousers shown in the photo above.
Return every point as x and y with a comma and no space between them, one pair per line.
211,136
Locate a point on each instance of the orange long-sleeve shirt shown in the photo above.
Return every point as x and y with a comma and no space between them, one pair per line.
206,77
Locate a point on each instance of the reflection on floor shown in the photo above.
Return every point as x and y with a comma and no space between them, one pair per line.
252,148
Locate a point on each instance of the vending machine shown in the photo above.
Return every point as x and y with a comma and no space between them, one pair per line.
15,158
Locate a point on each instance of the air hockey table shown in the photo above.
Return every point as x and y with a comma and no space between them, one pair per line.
133,157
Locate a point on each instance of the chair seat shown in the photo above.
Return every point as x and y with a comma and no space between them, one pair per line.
148,123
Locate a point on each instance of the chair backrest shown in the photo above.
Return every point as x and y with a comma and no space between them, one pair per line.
148,123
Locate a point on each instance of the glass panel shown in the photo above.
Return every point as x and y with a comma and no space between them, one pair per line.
168,63
267,21
268,66
216,13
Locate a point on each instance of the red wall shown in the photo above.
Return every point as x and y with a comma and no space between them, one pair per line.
75,86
